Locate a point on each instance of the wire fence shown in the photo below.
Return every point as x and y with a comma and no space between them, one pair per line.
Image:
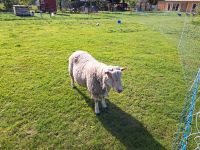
186,123
189,50
187,37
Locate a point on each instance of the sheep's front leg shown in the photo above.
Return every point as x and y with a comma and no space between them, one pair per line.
72,83
103,102
96,107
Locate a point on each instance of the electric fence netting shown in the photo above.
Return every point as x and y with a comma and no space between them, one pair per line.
188,135
187,38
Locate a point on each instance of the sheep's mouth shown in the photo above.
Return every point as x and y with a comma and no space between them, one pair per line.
118,90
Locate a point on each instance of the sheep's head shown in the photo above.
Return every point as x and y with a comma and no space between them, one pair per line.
113,78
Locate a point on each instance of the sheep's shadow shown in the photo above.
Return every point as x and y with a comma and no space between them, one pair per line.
125,127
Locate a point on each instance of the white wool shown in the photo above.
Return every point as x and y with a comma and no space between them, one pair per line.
87,71
96,76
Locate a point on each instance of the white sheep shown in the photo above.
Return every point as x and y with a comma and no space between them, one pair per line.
98,77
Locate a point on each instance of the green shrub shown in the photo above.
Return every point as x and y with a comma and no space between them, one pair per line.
9,4
2,7
34,8
102,5
198,10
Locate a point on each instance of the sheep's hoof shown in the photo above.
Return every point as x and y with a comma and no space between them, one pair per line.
73,86
97,113
105,107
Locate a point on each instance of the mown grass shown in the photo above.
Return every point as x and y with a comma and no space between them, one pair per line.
196,20
38,109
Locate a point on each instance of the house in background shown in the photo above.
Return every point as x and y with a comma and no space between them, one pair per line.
178,5
143,5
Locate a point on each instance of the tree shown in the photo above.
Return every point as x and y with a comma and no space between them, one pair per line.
59,2
131,3
9,3
154,2
102,5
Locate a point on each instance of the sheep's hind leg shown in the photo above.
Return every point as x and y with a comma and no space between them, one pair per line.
72,79
70,69
72,82
96,107
103,102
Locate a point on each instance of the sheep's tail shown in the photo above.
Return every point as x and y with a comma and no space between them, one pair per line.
70,68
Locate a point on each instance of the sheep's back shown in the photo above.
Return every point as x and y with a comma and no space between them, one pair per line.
81,66
88,72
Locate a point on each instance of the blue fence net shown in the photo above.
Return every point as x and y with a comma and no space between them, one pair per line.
184,129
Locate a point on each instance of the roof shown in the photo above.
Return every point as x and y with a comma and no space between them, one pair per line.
182,0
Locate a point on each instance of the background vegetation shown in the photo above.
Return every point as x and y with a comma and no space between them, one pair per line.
9,3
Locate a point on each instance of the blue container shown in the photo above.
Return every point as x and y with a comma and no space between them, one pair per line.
119,22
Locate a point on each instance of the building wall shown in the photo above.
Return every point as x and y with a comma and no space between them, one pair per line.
176,6
183,6
161,5
189,7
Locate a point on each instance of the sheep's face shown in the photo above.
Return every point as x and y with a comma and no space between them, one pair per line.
114,78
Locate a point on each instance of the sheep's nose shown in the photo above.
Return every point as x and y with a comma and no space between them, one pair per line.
119,90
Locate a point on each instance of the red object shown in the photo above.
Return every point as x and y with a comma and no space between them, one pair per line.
48,6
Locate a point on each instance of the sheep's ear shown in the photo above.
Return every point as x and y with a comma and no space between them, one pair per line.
118,68
123,68
108,72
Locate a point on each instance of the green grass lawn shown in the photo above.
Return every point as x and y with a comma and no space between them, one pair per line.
38,108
